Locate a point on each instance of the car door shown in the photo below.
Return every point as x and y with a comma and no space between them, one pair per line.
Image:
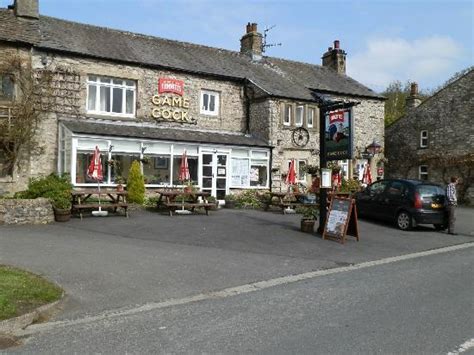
394,197
369,202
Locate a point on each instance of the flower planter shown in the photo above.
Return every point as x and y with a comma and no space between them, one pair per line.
62,215
229,204
307,225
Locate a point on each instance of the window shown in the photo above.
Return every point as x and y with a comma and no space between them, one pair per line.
423,139
111,96
209,103
6,87
287,115
377,188
301,170
249,169
423,172
310,118
299,116
396,189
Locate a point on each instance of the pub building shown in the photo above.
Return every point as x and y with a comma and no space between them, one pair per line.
240,116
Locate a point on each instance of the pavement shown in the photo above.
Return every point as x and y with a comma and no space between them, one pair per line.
114,263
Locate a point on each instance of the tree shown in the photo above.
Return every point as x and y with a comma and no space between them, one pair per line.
136,184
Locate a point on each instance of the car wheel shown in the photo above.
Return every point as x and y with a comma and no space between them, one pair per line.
440,227
404,221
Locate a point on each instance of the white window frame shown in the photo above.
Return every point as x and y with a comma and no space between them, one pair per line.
299,118
124,87
311,113
300,178
423,172
206,111
287,114
424,139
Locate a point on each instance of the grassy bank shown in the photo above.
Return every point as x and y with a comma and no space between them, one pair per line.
21,292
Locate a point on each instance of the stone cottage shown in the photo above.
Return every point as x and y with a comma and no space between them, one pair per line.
240,116
435,139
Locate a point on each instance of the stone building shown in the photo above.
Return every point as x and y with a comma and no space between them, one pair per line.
238,115
435,139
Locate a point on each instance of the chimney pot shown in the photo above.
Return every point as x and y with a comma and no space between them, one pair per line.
251,42
254,27
414,89
249,27
336,44
329,49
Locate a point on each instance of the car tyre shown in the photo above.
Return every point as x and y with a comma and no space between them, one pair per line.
404,221
440,227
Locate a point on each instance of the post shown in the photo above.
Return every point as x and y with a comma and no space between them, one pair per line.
322,164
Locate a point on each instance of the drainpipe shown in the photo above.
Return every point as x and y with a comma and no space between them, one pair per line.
247,106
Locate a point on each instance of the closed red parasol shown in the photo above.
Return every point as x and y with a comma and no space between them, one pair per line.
184,168
367,175
95,167
291,177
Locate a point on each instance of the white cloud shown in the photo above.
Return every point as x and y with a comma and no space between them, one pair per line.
425,60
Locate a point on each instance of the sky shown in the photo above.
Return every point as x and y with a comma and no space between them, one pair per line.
385,40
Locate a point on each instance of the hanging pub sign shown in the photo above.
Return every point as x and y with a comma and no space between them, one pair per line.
338,135
171,108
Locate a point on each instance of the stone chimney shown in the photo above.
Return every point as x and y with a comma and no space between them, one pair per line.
412,100
251,43
26,8
335,58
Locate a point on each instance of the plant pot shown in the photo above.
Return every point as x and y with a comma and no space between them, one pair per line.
119,187
229,204
187,190
307,225
62,215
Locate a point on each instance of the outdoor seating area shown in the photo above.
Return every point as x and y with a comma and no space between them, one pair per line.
285,200
95,199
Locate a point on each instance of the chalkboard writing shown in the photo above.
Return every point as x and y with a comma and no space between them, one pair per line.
341,215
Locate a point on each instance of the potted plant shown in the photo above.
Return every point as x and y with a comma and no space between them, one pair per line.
230,201
189,188
212,199
312,170
308,219
119,181
62,207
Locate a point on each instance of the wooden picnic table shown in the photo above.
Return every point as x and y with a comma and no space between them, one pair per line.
288,200
109,199
189,200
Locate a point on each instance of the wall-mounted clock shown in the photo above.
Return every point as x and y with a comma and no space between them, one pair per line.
300,136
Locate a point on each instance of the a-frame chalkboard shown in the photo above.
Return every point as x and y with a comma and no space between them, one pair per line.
341,220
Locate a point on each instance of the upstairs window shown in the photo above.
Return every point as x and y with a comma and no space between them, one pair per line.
6,87
299,116
287,115
209,103
423,139
111,96
310,118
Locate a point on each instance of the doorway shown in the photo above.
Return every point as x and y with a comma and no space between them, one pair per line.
214,173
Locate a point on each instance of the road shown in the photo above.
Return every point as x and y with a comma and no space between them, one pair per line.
422,303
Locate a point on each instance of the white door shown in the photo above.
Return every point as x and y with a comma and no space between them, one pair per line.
214,173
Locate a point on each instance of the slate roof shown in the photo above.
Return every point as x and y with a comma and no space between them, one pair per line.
278,77
91,127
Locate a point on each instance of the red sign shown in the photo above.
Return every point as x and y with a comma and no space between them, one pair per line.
380,171
336,116
171,85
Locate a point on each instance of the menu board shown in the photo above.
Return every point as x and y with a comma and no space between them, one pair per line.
341,219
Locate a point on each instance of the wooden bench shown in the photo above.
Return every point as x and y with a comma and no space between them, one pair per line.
173,206
95,206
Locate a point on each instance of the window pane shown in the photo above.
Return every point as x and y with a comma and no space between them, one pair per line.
121,164
299,116
83,159
6,86
129,102
287,113
117,100
310,117
212,104
205,102
105,99
130,83
193,169
92,97
105,80
301,172
258,175
117,82
157,169
92,78
240,173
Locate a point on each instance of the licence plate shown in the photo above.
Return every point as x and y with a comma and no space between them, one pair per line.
436,205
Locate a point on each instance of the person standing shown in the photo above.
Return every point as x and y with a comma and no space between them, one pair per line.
452,202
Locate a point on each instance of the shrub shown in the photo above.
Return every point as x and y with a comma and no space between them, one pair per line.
136,184
352,185
248,199
56,188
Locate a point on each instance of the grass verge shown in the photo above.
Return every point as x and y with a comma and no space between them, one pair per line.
21,292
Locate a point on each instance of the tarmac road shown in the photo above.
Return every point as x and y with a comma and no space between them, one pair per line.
107,265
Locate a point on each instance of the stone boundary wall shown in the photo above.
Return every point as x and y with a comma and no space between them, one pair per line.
37,211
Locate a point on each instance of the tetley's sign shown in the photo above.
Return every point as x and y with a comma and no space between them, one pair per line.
171,108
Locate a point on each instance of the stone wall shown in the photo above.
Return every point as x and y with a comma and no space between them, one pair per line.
37,211
447,118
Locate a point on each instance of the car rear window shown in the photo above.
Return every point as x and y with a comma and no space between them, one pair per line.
429,190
